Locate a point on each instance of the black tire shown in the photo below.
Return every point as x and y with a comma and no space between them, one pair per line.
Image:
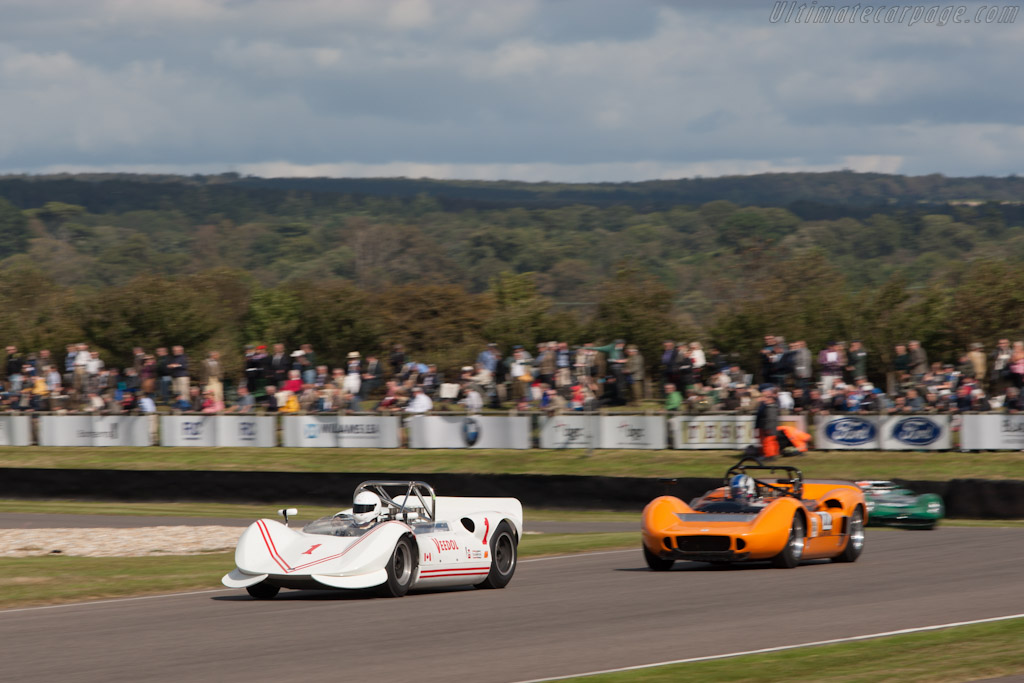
401,569
263,591
855,538
504,557
794,550
656,563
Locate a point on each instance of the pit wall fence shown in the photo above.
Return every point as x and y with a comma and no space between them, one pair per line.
648,431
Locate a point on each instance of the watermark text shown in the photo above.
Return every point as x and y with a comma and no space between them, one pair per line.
794,12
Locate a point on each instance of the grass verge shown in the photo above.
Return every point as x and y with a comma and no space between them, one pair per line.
963,653
58,579
821,464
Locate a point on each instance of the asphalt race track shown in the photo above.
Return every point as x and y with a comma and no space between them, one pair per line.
29,520
559,616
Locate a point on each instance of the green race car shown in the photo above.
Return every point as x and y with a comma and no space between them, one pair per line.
889,504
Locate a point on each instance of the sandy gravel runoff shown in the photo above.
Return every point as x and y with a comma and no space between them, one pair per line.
105,542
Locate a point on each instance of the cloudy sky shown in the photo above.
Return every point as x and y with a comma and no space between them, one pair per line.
564,90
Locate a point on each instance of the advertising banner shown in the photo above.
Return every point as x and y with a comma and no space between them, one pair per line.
992,432
644,432
846,432
915,433
796,421
468,431
188,430
570,431
709,432
94,430
341,431
254,431
15,430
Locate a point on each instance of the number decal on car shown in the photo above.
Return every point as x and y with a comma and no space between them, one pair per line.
826,520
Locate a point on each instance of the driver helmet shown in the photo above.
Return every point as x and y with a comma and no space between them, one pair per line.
742,487
365,508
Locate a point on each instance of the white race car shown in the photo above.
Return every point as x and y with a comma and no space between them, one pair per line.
397,535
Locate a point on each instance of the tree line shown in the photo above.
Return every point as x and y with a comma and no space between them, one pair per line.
443,267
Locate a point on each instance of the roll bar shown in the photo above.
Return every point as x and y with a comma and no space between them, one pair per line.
421,490
795,478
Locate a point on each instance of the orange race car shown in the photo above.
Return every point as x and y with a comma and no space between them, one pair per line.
758,516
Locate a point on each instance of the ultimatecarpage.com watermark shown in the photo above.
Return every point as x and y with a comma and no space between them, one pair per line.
792,12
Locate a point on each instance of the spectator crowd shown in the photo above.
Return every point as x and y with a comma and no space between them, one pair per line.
552,377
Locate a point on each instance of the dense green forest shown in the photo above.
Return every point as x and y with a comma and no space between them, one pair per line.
445,266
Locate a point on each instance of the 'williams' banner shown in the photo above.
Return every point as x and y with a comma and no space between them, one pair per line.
94,430
340,431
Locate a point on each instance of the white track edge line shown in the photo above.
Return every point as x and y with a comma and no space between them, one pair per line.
89,603
780,648
572,555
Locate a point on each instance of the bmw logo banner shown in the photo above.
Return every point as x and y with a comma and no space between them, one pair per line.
470,431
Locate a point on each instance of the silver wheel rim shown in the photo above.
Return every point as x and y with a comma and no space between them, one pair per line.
403,564
796,541
504,553
857,531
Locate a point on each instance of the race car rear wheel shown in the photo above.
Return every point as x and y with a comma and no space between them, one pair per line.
794,550
855,538
401,567
263,590
656,563
504,557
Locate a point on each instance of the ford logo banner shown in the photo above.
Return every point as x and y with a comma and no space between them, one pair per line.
916,431
850,431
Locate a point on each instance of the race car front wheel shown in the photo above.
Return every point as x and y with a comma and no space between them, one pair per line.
400,567
656,563
504,556
263,590
855,538
794,550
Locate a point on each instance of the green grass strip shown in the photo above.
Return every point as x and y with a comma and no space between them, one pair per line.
823,465
963,653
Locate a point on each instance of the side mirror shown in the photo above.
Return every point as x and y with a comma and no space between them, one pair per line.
285,512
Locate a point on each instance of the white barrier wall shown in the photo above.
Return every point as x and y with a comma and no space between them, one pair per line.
846,432
258,431
915,432
189,430
15,430
341,431
705,432
212,431
94,430
644,432
469,431
992,432
570,431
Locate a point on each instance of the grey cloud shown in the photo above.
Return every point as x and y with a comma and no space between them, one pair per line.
554,84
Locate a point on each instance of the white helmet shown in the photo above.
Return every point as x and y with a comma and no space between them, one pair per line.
742,487
365,508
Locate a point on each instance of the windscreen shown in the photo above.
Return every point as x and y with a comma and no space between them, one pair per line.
336,525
